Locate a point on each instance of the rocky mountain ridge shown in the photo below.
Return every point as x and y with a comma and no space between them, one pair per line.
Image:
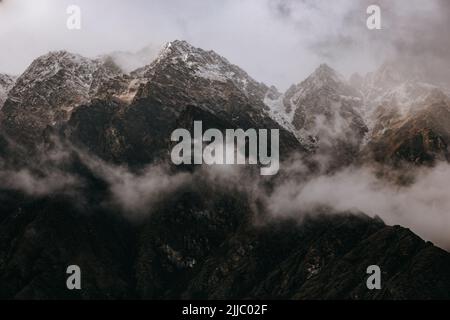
89,122
47,93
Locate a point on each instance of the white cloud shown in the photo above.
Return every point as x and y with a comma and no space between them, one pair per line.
423,206
278,42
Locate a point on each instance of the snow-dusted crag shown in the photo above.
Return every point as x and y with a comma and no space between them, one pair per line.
323,109
6,83
396,87
46,94
181,85
324,113
205,65
408,115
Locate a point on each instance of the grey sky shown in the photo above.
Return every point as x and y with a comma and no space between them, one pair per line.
277,41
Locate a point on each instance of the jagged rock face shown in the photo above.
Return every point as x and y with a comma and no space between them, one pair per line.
408,118
399,110
420,138
326,110
395,86
46,94
6,83
203,79
203,67
387,77
182,83
324,94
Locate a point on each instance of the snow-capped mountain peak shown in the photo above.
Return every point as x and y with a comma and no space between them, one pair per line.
181,59
49,90
325,75
397,86
323,107
68,70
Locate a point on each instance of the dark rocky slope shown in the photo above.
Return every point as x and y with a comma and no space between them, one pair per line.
204,246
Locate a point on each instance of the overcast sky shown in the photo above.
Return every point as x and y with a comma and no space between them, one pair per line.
276,41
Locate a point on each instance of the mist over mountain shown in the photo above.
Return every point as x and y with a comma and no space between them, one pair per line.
292,36
86,178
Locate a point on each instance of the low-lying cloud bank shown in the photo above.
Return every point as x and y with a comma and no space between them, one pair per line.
423,205
38,184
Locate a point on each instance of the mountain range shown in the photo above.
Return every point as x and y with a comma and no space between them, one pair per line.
78,133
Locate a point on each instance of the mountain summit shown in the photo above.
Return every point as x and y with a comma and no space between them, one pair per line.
324,109
48,91
182,84
181,57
